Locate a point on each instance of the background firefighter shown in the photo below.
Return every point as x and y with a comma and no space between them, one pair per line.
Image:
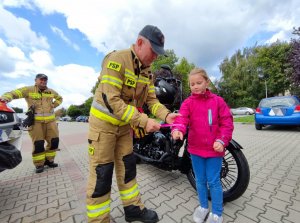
125,85
42,100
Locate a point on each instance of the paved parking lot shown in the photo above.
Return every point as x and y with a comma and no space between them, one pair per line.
58,195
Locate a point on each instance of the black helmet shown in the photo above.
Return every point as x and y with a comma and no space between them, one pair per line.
165,92
165,66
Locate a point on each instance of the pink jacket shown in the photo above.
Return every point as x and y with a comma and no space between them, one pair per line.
209,119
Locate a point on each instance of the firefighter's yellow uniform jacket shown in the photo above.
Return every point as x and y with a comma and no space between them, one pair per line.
124,85
45,126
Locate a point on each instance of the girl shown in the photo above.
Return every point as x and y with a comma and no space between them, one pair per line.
210,130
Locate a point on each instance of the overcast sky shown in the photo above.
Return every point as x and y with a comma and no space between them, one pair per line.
67,40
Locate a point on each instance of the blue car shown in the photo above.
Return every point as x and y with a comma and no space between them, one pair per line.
284,110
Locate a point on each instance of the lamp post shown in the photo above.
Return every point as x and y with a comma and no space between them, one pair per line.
263,76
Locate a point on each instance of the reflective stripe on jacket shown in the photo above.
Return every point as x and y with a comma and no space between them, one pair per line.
125,85
44,101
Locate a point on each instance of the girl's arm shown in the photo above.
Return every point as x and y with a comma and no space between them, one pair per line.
183,119
225,123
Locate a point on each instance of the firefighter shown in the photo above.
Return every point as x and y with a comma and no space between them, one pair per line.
41,123
125,84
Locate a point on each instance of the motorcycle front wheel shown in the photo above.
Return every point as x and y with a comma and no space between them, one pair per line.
235,173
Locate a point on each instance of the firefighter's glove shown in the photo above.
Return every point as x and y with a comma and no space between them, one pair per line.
29,121
138,132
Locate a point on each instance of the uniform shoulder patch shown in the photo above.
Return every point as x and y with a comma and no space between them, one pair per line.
113,65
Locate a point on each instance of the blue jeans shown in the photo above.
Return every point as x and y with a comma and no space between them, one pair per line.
207,172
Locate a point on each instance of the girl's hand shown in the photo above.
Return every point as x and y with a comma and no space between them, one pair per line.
218,147
177,135
171,117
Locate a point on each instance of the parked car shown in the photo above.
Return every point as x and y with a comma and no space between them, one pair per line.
10,138
242,111
65,119
284,110
82,118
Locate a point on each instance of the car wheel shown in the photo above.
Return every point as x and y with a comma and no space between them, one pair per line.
258,126
247,113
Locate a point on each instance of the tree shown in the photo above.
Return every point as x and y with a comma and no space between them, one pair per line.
60,112
240,84
74,111
171,59
95,87
273,60
87,106
294,59
239,77
181,71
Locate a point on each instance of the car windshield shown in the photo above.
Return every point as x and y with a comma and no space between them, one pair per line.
272,102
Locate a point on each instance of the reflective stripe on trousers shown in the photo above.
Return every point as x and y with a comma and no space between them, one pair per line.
98,209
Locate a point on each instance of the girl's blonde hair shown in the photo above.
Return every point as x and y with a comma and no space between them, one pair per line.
200,71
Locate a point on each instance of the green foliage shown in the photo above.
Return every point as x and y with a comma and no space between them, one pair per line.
74,111
171,60
87,106
244,74
60,112
83,109
274,63
244,119
181,70
294,59
95,87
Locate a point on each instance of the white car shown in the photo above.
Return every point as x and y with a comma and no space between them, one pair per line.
242,111
65,119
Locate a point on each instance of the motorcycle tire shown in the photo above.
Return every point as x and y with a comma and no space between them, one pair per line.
235,171
10,156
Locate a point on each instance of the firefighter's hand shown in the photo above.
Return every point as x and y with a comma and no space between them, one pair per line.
152,125
177,135
218,147
171,117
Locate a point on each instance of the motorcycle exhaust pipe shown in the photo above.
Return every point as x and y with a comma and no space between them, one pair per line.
147,159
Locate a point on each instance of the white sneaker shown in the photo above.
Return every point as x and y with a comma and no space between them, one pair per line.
200,214
213,218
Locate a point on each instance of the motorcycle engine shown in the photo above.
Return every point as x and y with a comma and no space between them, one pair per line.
153,146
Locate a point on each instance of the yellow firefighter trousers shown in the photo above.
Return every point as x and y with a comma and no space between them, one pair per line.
39,133
110,147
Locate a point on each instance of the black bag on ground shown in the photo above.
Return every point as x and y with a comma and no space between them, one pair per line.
10,156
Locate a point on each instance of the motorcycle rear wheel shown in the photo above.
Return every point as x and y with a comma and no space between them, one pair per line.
235,173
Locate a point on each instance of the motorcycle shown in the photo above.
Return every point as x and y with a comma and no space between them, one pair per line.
159,149
10,138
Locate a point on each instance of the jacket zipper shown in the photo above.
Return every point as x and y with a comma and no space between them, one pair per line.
210,119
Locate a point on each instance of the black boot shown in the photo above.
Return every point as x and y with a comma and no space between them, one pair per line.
134,213
51,164
39,169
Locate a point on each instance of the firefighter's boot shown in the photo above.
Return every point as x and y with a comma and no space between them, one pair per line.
51,164
134,213
39,169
